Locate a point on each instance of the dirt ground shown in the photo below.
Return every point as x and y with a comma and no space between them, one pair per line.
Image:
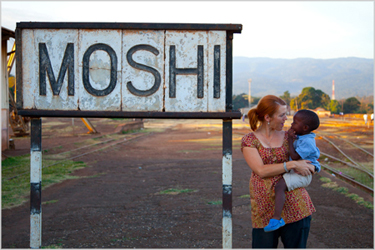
119,203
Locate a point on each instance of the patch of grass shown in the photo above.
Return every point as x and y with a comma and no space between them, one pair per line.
95,175
325,179
356,174
219,202
154,130
369,166
13,162
330,185
245,196
343,190
15,178
352,196
49,202
360,201
130,131
367,204
177,191
54,246
359,176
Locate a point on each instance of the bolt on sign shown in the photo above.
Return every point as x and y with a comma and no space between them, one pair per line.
124,67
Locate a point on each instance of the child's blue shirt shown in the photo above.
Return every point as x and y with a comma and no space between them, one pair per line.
306,147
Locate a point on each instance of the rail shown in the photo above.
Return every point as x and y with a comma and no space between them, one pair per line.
349,179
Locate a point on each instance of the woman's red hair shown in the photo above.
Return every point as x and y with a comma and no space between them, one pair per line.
268,105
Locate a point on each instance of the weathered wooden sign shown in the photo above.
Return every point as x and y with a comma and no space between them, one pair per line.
124,67
124,70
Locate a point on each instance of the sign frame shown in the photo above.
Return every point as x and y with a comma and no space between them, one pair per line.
229,28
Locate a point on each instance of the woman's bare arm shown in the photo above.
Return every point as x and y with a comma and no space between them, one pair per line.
255,162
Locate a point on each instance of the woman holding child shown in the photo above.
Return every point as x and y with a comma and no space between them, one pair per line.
266,151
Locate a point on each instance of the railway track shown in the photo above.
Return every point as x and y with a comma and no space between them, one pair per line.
348,179
345,166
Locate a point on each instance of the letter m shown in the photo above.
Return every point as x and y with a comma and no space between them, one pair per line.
45,66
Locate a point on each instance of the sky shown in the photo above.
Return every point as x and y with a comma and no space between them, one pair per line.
273,29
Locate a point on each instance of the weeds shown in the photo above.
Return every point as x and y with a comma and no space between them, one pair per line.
219,202
174,191
54,246
16,178
325,179
49,202
130,131
343,190
245,196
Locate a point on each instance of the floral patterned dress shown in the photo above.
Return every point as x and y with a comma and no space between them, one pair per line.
298,204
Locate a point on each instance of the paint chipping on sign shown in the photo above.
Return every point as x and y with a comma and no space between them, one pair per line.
124,70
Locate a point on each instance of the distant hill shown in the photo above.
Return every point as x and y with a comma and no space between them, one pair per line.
353,76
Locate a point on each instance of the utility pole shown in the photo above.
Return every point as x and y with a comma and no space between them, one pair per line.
249,93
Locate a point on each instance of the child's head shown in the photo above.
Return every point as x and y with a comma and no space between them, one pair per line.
305,121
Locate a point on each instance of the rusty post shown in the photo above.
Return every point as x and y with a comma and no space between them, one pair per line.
36,183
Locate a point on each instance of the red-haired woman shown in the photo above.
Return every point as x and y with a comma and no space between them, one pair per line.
266,151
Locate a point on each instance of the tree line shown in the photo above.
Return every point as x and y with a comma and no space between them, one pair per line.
311,98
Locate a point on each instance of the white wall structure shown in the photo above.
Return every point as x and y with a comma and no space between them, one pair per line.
5,35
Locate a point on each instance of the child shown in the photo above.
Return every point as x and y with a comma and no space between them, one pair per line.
304,147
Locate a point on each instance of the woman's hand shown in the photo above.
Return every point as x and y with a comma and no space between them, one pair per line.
303,167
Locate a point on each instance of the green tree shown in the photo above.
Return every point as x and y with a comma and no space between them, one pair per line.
366,108
310,98
351,105
367,105
335,107
371,107
325,100
286,97
240,101
293,103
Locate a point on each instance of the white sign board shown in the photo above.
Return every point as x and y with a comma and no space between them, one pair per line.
159,70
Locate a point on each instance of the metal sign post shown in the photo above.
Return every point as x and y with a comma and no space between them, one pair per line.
125,70
227,183
36,183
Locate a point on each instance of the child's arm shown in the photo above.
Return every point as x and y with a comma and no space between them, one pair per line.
292,152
